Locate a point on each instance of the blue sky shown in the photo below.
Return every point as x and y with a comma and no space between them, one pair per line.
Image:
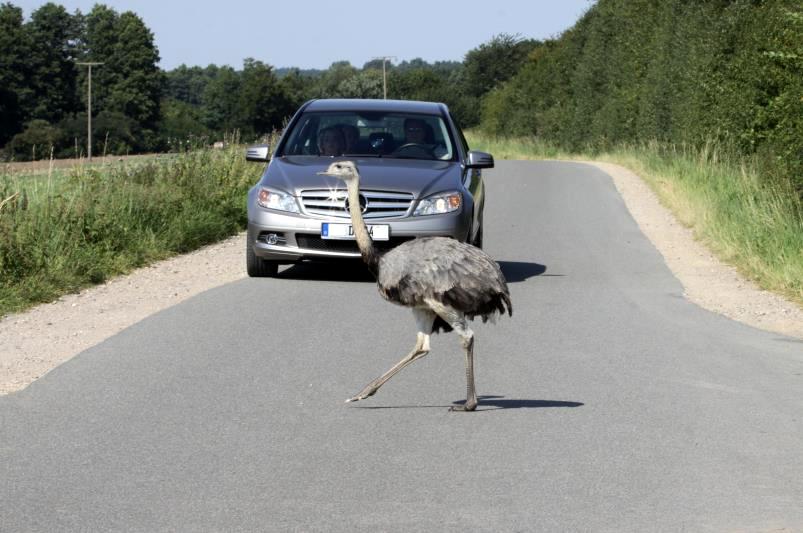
315,33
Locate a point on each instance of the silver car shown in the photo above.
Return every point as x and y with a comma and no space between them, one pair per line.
417,178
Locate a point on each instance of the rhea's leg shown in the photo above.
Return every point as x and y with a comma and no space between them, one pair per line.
460,325
471,394
424,320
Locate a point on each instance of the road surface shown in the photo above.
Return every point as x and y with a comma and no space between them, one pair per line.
607,402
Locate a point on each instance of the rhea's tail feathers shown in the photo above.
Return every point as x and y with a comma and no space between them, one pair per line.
506,299
497,306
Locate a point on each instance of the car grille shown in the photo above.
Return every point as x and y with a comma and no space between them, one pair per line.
312,241
376,204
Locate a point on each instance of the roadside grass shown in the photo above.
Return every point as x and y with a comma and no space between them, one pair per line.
66,229
753,225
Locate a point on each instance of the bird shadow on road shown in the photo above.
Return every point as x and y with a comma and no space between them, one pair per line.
493,403
516,271
356,271
486,403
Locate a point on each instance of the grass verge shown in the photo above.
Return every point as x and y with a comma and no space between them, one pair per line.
747,222
63,230
66,229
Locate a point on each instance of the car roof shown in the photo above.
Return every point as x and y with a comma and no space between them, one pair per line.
394,106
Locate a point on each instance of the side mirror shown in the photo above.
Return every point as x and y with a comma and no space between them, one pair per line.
259,153
477,159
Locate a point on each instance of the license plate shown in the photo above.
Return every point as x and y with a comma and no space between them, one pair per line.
378,232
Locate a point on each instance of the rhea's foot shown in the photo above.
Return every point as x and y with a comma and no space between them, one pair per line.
365,393
468,406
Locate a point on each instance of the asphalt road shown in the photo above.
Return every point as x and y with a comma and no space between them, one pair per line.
607,402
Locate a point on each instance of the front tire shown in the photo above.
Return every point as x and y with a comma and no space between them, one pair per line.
256,266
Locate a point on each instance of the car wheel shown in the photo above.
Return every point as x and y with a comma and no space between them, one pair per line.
256,266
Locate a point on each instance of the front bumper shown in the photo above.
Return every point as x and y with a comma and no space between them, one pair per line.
287,238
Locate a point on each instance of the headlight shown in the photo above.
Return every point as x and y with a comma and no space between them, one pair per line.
439,204
277,200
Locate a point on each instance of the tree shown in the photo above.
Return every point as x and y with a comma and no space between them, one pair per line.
187,84
297,86
130,81
53,34
13,71
365,84
100,37
138,90
116,132
263,103
417,84
221,102
377,64
494,62
181,121
337,73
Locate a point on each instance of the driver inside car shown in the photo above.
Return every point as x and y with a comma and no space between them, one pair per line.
417,131
331,141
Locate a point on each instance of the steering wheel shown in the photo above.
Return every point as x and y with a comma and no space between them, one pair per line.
414,150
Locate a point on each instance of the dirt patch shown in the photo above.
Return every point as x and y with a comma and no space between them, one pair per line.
44,165
37,341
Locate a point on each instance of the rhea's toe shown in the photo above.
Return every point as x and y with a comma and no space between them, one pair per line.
464,408
361,396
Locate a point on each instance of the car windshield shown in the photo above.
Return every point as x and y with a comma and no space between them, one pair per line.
370,134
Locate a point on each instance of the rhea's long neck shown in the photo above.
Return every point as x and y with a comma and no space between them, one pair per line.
364,242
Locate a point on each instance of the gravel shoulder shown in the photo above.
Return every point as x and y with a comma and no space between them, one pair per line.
39,340
35,342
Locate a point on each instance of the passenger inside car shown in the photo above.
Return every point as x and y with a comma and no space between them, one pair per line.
351,136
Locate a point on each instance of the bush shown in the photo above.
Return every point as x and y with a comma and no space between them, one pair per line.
37,141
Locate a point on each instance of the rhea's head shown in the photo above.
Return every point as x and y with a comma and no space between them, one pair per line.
344,170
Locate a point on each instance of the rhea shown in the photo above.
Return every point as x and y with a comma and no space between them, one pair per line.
445,282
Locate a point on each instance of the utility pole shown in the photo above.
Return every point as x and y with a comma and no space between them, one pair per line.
384,59
89,109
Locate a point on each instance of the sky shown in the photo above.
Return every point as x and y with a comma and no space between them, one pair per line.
316,33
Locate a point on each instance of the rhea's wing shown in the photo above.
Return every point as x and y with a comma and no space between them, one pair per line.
459,275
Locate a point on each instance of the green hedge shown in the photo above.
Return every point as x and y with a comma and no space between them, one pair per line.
678,71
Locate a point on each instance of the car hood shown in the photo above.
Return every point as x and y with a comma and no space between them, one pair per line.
421,178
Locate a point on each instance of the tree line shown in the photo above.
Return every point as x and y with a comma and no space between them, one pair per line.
728,72
138,107
42,89
684,73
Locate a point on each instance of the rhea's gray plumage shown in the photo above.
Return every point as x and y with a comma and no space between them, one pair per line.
458,275
444,281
